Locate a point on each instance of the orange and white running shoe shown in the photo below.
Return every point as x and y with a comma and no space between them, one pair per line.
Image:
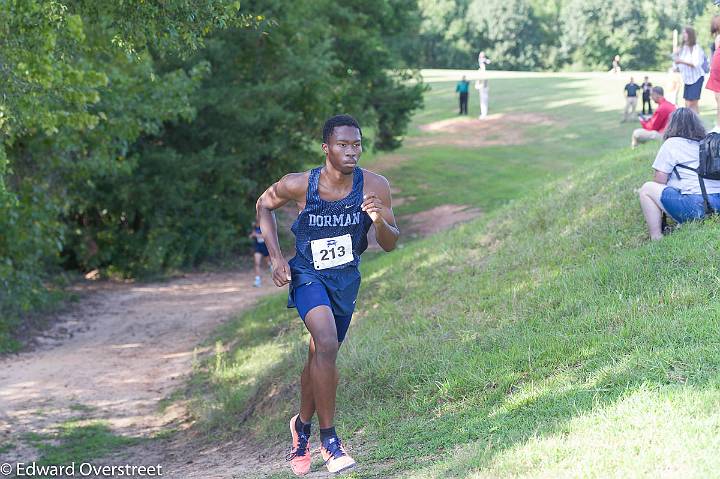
299,455
336,459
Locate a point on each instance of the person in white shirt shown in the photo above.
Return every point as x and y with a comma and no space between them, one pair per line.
676,191
482,87
483,61
689,59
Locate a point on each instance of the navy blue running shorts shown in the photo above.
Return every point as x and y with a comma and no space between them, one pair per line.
313,294
262,249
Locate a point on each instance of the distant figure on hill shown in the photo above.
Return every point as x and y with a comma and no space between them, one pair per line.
482,61
462,88
653,128
713,83
484,91
631,90
646,87
261,252
689,59
676,191
481,85
616,65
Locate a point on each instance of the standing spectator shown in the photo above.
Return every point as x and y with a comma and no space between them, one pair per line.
482,61
462,88
689,59
676,191
646,87
631,90
675,83
653,128
616,65
713,83
482,87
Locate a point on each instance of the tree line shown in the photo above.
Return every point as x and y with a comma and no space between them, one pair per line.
136,136
553,34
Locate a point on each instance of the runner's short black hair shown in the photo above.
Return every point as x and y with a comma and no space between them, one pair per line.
338,120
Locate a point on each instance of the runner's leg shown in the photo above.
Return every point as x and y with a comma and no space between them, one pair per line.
307,400
322,368
258,258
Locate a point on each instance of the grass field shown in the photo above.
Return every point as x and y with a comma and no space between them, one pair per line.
546,339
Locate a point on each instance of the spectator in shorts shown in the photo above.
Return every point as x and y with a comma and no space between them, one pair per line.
653,128
631,90
676,191
689,60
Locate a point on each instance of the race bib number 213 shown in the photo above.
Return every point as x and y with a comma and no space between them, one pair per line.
329,252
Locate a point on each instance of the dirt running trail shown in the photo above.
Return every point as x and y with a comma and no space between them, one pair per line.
116,355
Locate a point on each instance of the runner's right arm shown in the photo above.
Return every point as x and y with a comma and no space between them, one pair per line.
292,187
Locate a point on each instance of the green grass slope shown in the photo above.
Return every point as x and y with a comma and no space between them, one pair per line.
548,339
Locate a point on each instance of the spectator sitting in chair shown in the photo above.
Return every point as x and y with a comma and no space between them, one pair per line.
676,191
653,128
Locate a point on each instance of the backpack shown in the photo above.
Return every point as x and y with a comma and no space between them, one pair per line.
709,167
705,62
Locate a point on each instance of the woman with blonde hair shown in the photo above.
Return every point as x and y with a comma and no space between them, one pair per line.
713,83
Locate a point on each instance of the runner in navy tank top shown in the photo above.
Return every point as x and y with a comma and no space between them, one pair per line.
337,205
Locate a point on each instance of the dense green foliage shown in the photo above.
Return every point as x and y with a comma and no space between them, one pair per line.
136,136
79,88
555,34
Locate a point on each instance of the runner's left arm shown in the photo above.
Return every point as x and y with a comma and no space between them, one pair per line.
378,204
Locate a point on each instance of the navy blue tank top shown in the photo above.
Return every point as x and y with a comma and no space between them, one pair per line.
327,219
258,231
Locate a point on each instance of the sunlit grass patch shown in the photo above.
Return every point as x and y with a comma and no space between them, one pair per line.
77,441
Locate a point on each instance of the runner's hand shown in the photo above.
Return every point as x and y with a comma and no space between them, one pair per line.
373,206
281,272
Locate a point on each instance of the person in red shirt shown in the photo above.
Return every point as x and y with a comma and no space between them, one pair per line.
653,128
713,83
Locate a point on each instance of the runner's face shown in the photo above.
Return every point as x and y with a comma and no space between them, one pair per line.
344,148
